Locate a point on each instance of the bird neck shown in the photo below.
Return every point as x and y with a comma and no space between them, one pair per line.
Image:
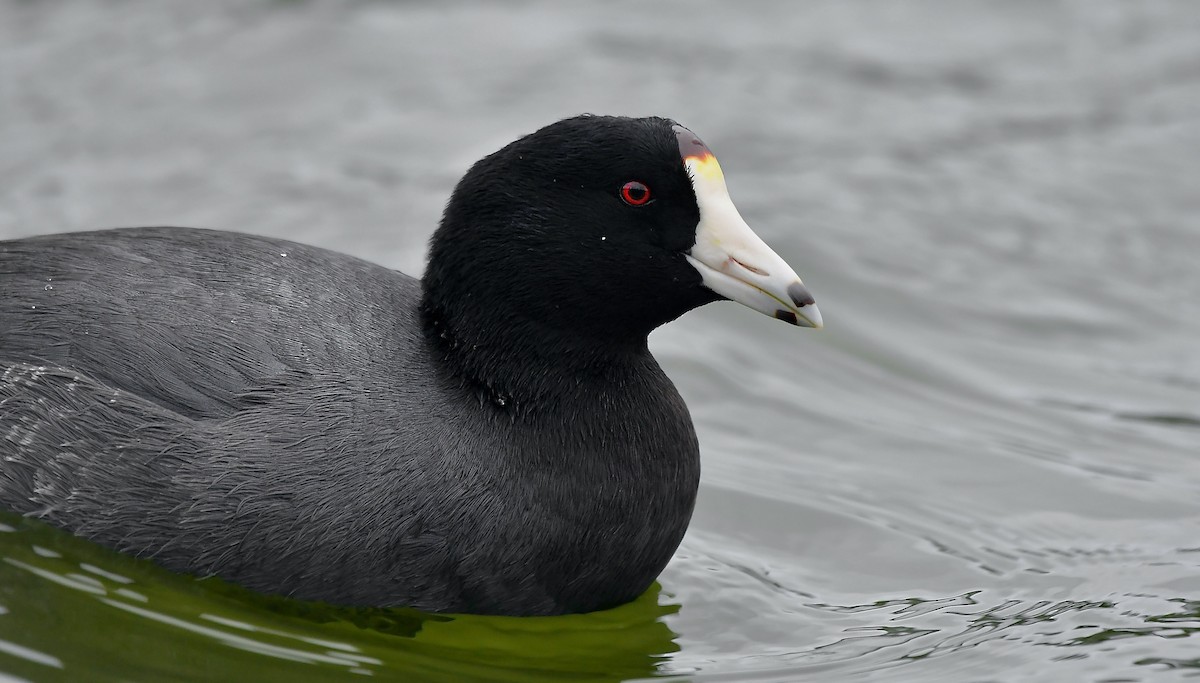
521,363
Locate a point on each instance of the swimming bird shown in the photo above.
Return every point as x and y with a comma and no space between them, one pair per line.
492,438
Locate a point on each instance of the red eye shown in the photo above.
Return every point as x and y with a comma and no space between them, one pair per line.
635,193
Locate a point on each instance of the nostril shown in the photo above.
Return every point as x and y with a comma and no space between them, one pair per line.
752,269
800,295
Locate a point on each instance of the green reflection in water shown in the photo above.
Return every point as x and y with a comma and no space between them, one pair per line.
70,610
1180,624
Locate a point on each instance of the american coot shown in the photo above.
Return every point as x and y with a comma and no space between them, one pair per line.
495,438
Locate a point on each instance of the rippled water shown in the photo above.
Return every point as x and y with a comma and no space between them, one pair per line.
985,468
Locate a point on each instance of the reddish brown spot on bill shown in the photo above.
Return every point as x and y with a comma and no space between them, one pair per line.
689,144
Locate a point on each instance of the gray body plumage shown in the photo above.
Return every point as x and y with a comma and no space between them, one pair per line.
278,415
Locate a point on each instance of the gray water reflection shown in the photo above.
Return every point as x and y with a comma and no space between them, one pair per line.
985,467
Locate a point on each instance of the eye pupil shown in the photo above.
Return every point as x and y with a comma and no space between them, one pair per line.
635,193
